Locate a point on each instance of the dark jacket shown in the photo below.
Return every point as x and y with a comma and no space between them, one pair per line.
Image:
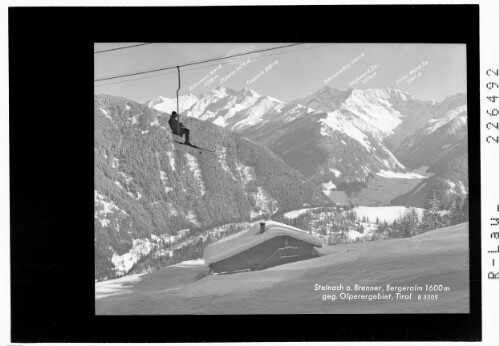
175,125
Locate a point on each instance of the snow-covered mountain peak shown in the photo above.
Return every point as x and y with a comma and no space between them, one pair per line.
376,95
241,109
167,105
325,99
328,90
219,91
325,90
457,117
371,111
154,101
247,92
336,121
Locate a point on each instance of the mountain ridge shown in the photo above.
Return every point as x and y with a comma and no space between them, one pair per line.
352,133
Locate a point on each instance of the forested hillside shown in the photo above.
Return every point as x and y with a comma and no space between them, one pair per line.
146,184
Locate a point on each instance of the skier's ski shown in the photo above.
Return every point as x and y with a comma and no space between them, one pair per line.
212,152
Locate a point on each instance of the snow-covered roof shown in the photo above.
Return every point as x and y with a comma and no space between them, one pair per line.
251,237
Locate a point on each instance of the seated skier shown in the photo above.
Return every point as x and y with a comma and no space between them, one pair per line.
178,128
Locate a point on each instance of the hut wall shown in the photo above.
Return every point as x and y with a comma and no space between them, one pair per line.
268,254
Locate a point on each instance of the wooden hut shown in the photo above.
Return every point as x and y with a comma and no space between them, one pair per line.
266,244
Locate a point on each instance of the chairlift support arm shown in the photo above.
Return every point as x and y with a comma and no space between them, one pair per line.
178,113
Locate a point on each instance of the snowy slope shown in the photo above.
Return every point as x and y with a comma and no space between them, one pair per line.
404,262
371,110
387,112
327,147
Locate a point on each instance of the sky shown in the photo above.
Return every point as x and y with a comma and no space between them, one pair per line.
428,72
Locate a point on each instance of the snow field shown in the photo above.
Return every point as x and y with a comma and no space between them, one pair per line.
388,214
408,175
405,261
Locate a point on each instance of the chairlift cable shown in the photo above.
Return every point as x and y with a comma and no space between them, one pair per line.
204,67
119,48
193,63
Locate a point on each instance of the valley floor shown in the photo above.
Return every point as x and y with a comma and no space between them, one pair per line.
435,258
380,191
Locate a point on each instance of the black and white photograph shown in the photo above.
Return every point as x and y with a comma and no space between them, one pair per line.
281,178
251,173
